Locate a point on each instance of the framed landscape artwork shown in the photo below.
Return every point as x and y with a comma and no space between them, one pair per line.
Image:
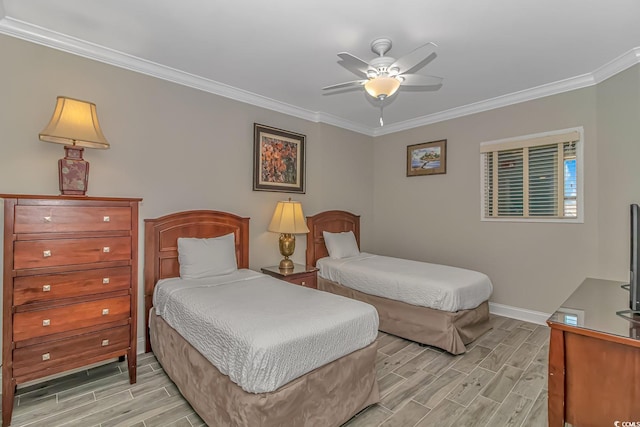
278,160
428,158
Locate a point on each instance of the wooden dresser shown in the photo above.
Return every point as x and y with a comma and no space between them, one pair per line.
594,359
70,286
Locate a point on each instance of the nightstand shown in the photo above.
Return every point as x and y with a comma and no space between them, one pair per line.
300,275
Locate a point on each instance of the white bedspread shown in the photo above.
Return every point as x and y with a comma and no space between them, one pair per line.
260,331
418,283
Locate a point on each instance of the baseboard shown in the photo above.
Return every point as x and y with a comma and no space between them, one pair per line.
524,314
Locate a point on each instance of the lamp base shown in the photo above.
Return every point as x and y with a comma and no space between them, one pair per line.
286,264
73,172
287,244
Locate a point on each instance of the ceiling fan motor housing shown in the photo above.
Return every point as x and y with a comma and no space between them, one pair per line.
381,65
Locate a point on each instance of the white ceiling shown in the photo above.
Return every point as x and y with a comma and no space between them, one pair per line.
280,53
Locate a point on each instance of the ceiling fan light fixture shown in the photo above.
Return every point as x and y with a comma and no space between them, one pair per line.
382,87
383,75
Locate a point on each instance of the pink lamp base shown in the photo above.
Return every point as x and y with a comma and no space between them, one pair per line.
73,172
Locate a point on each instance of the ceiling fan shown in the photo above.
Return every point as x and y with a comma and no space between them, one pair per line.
384,75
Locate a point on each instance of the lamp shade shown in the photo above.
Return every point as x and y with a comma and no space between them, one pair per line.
288,218
75,123
382,86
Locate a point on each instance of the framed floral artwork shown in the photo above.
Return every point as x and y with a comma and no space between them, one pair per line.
278,160
428,158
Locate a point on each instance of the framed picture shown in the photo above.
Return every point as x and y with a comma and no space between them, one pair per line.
278,160
428,158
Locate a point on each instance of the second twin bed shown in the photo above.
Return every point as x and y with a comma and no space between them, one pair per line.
433,304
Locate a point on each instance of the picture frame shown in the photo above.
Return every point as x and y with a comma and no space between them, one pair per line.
278,160
428,158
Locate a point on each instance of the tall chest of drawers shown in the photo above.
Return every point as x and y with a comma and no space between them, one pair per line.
69,287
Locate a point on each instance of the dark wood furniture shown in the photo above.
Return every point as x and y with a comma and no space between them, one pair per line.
594,358
302,275
328,395
450,331
69,286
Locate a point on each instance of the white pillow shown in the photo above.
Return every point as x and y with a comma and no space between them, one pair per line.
207,257
341,245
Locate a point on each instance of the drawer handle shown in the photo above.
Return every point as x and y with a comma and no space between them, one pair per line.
46,254
46,322
106,219
46,356
105,343
47,219
105,280
304,283
105,311
46,288
105,249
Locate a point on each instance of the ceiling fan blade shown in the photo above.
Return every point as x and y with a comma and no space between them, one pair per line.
420,80
354,64
345,84
416,59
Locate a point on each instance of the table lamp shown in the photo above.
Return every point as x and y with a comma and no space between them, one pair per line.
288,220
75,124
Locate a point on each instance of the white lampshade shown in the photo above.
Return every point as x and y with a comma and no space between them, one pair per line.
288,218
382,86
75,123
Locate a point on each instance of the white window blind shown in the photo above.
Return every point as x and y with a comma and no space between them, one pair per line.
531,177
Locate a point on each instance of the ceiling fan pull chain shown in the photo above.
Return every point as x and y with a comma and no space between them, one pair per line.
381,120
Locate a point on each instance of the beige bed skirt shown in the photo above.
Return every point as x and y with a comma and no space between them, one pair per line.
446,330
327,396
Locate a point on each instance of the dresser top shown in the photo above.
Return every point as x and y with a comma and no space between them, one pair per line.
599,305
61,197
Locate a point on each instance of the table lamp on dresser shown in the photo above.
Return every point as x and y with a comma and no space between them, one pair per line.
288,220
75,124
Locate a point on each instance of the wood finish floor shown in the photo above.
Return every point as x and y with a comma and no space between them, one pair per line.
500,381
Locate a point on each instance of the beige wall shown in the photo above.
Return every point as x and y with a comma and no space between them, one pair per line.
179,148
176,147
618,101
534,266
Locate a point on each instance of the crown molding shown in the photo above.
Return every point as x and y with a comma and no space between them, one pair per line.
42,36
491,104
618,65
345,124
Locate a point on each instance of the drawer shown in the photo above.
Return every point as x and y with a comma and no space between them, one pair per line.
39,323
308,281
60,252
55,353
60,219
49,287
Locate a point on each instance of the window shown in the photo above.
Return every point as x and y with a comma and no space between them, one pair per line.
533,178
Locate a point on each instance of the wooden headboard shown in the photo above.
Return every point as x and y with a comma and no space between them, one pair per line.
161,244
333,222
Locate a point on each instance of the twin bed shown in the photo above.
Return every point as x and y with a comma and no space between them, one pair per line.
246,349
441,306
259,352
